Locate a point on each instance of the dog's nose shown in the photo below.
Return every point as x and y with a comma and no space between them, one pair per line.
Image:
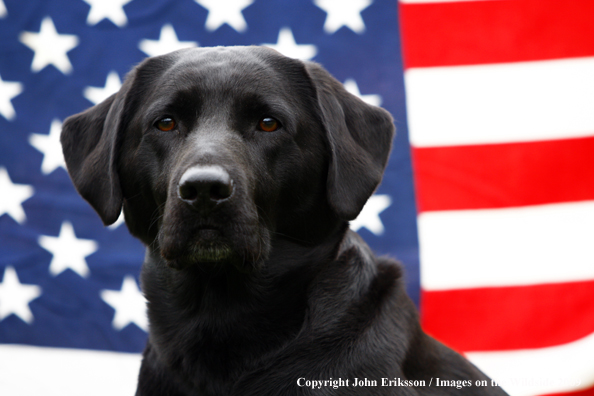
205,185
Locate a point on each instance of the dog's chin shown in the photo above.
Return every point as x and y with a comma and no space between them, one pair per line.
211,249
211,253
202,253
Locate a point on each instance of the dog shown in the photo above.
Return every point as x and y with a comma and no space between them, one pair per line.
239,169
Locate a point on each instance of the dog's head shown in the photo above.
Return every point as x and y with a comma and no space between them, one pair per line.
215,152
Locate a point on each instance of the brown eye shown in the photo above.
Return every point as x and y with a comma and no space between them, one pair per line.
268,124
165,124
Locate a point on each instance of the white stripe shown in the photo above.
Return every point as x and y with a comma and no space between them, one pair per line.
506,247
33,371
528,372
500,103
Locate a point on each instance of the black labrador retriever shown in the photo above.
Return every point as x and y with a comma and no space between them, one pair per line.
239,169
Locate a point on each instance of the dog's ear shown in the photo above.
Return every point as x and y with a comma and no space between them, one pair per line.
360,139
89,143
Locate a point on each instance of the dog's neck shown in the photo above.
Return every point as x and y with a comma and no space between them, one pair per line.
226,310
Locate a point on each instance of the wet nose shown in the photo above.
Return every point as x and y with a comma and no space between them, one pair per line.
205,185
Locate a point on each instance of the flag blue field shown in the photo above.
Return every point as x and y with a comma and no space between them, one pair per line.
489,204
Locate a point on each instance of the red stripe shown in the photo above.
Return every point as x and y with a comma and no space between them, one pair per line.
583,392
478,32
506,318
504,175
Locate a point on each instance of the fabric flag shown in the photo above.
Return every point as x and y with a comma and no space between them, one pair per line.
500,101
72,317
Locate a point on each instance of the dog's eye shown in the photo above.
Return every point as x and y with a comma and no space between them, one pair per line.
268,124
165,124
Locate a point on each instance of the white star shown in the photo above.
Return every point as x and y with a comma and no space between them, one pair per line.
369,216
3,11
129,304
225,11
167,43
68,251
50,47
110,9
8,90
15,296
287,46
97,95
343,13
12,197
51,148
351,86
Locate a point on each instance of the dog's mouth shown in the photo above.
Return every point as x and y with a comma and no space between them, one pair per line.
205,245
208,245
230,236
211,253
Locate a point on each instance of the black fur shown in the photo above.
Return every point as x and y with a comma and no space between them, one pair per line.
253,291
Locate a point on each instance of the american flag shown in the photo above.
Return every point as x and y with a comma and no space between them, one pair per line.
490,186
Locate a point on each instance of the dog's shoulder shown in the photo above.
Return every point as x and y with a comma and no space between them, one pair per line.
356,287
347,330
